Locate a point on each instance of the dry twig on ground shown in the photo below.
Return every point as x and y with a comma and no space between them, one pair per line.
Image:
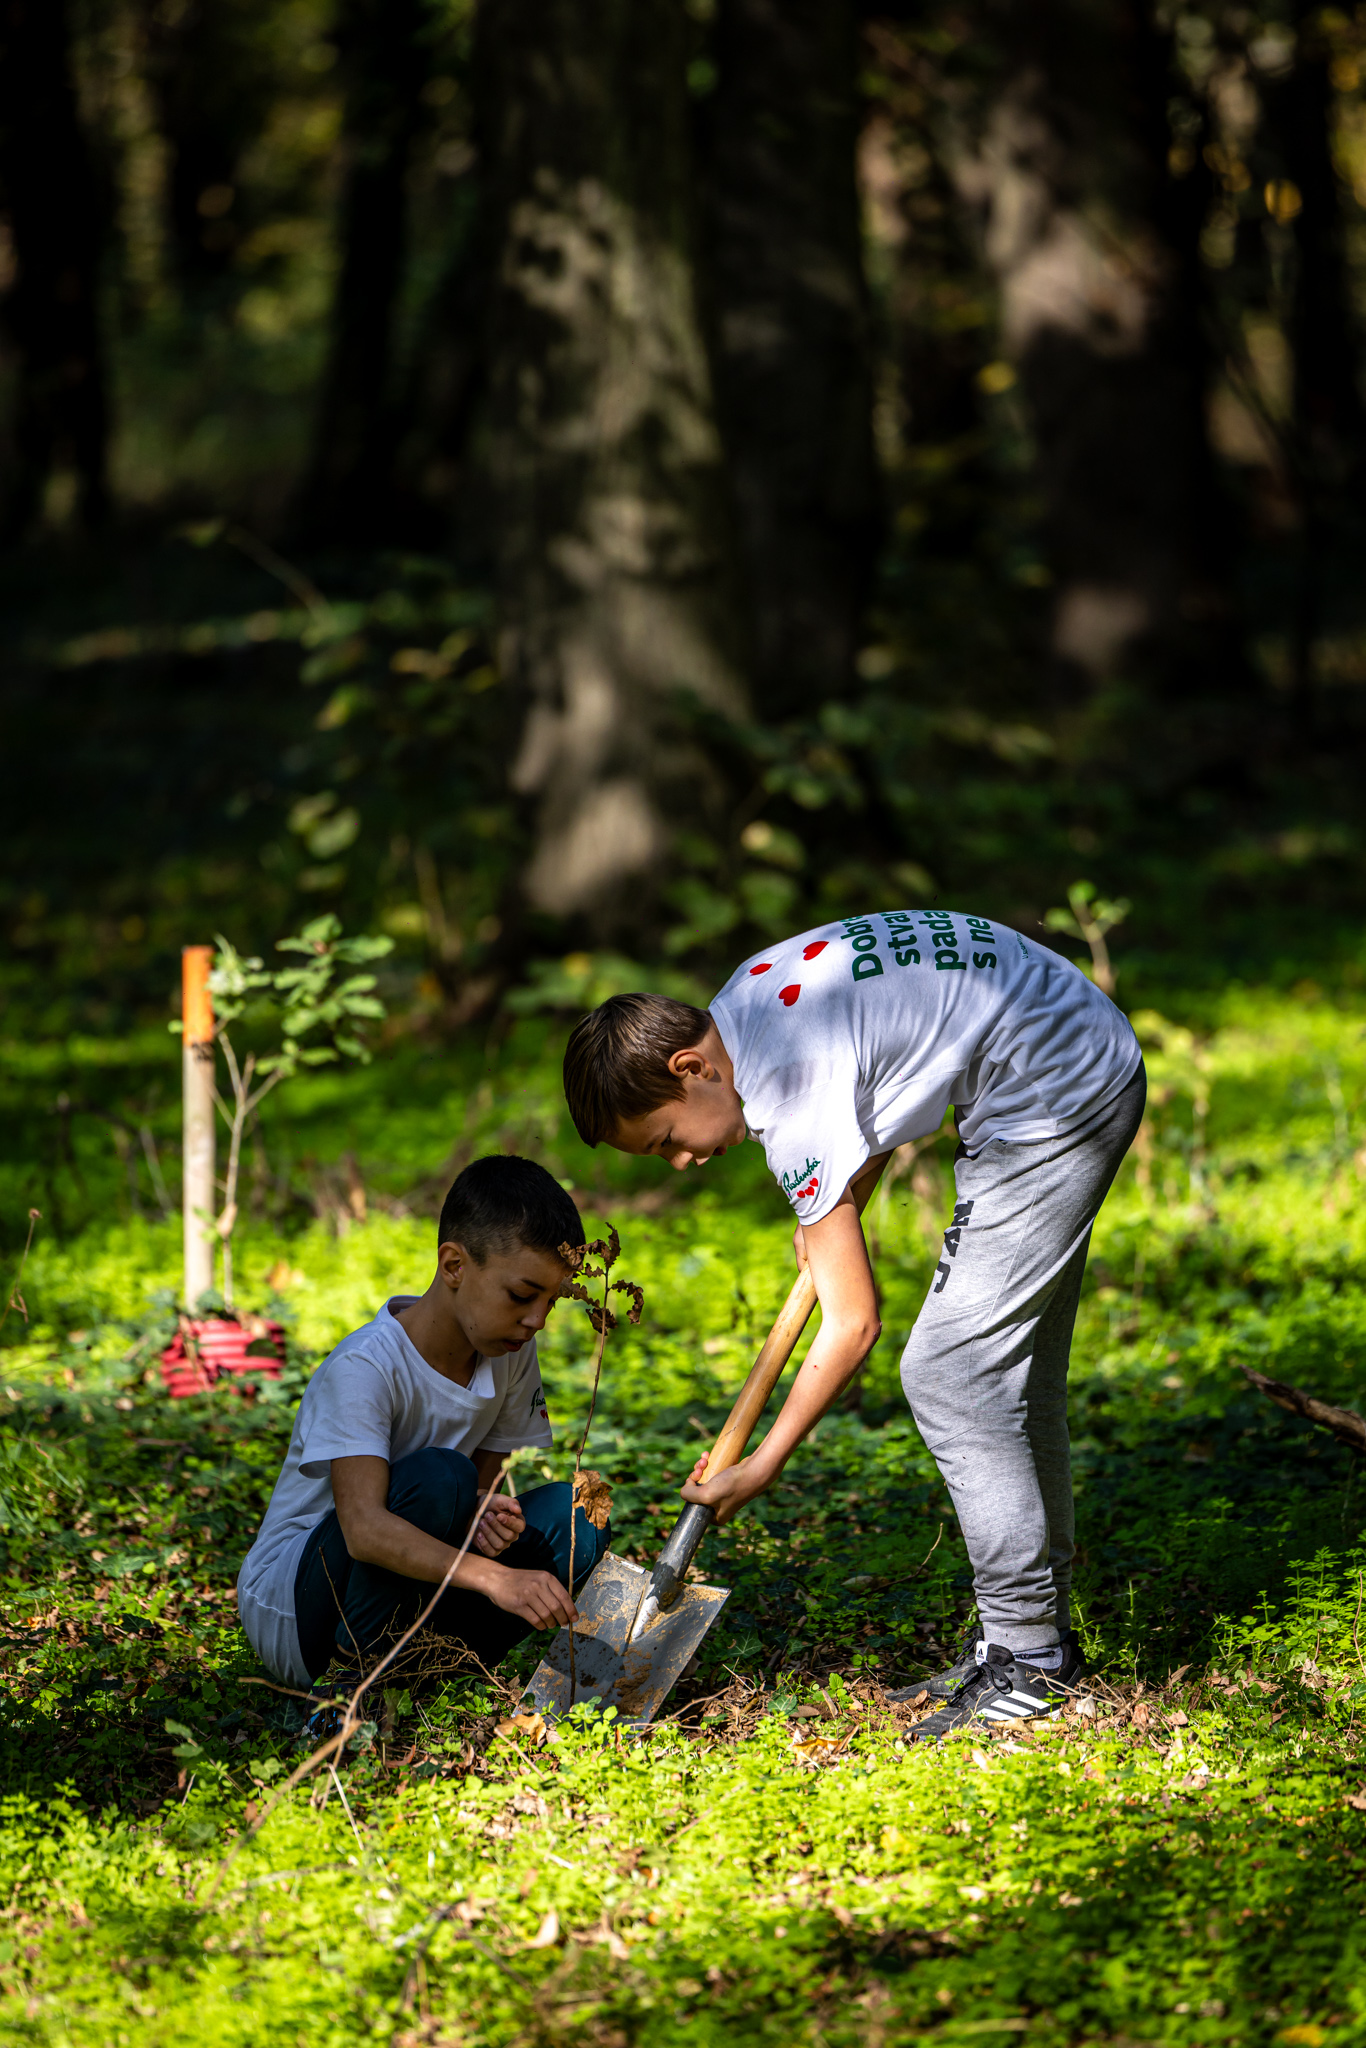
1347,1426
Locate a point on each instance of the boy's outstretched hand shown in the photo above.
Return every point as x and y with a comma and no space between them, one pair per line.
730,1491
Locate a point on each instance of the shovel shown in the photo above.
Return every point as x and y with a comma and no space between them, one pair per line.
637,1629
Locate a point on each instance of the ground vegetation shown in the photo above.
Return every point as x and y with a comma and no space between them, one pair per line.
581,491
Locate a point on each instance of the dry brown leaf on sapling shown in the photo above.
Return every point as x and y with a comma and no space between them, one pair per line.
593,1494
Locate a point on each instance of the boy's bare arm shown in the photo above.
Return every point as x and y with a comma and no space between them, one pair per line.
838,1258
859,1192
373,1535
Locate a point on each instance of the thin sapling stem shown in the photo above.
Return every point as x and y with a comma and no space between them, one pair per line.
576,1257
16,1299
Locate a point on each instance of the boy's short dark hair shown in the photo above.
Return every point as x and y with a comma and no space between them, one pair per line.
616,1065
502,1202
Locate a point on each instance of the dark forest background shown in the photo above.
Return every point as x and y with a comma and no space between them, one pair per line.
587,486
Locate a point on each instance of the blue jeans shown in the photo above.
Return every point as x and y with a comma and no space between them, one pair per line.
356,1610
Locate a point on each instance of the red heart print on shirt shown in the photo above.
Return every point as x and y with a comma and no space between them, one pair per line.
762,968
790,995
816,946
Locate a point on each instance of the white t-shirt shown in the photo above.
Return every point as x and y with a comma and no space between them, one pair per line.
375,1396
855,1037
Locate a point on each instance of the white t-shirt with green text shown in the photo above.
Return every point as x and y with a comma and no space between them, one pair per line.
854,1038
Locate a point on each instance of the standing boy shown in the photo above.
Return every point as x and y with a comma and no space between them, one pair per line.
400,1432
833,1048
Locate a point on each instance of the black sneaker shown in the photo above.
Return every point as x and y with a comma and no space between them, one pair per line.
1004,1689
327,1703
946,1685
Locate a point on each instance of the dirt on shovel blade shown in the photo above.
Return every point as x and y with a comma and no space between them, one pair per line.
634,1679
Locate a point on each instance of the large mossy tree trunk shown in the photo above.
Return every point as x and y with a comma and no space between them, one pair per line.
1096,260
618,632
60,417
789,336
347,492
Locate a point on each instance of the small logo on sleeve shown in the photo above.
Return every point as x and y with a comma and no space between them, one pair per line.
536,1405
799,1185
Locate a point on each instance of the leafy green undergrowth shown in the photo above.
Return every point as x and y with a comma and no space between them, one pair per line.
1182,1865
1156,1871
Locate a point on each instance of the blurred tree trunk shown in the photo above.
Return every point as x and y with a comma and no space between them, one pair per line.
50,308
1328,416
347,491
212,92
1328,405
617,624
1095,251
789,336
437,477
930,290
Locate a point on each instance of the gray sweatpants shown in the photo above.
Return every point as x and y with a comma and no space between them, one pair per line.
985,1370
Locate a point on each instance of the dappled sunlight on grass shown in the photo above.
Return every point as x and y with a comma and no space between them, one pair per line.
1178,1862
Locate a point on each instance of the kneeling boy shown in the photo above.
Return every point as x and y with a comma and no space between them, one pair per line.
832,1048
401,1430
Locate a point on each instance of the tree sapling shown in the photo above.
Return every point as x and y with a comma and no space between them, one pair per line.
318,996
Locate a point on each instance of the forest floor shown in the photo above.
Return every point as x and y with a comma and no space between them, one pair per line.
1183,1861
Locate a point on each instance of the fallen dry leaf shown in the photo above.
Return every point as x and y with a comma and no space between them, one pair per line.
1358,1800
817,1749
807,1714
532,1725
593,1494
548,1933
1178,1719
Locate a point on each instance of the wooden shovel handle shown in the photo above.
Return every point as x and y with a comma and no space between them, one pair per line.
764,1375
779,1345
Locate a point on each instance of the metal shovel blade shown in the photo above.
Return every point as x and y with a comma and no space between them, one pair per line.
632,1677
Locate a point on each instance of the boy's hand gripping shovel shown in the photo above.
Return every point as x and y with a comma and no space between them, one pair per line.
637,1629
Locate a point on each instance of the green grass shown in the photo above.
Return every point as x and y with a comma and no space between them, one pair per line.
1184,1865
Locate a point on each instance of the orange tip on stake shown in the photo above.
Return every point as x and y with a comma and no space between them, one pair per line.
196,1002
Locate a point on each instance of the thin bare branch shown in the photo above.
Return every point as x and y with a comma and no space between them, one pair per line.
334,1744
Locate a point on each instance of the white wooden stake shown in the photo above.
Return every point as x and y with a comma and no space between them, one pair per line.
199,1196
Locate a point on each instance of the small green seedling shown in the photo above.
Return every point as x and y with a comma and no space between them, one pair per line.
1088,918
